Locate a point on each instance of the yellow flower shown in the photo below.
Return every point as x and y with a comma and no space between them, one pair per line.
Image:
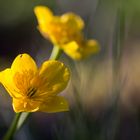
34,89
65,32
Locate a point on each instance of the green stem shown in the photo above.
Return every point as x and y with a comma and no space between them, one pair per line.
22,119
117,57
12,128
56,52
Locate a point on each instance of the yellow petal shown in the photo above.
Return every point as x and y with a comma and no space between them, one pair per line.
58,104
55,75
92,47
72,49
77,52
44,15
73,20
24,105
6,78
23,62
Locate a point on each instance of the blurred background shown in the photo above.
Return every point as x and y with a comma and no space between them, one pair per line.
96,111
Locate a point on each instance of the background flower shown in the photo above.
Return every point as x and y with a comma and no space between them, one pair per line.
66,32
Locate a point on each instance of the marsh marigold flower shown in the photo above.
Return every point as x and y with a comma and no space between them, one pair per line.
65,32
34,89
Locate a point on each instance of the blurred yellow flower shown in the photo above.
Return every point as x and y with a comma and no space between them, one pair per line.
34,89
65,32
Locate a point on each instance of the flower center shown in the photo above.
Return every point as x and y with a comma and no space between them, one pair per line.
31,92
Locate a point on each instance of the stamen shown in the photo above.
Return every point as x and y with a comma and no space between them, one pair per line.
31,92
25,104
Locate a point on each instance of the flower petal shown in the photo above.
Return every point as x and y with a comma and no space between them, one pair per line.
72,49
73,20
58,104
23,62
24,105
55,76
6,78
92,47
77,52
44,15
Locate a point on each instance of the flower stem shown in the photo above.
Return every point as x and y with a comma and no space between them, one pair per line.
22,119
56,53
117,57
12,128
